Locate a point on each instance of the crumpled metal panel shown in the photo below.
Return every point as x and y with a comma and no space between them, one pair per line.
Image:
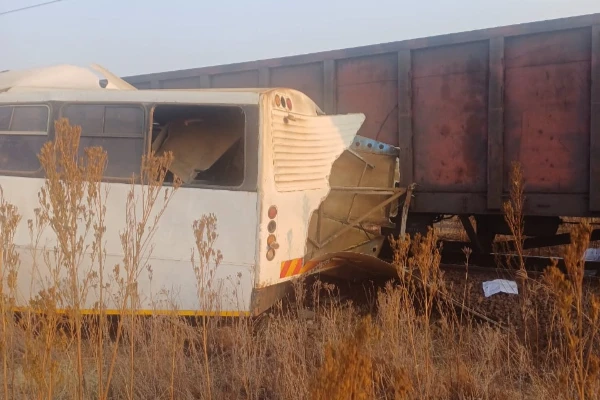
305,147
362,179
350,171
299,147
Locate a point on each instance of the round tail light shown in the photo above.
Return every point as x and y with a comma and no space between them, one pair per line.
272,242
272,212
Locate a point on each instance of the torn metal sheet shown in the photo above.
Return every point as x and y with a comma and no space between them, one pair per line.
305,147
358,262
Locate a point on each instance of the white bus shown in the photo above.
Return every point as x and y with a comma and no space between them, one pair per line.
260,160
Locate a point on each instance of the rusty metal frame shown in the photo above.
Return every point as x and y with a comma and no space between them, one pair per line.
329,57
594,203
367,190
495,144
397,193
468,227
405,117
409,195
329,87
488,200
356,222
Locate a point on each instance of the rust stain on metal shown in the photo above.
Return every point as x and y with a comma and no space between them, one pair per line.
457,122
370,84
547,106
450,150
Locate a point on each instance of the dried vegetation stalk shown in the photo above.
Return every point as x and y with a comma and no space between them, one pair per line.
414,345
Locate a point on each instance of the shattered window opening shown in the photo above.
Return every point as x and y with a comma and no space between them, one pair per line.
23,132
207,143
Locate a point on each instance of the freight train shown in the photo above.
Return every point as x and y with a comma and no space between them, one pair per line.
458,110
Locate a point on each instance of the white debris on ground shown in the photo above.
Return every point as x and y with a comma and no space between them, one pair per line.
591,255
490,288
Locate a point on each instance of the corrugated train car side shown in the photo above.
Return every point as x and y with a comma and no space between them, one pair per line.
461,108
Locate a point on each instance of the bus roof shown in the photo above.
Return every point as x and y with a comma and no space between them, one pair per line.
241,96
73,83
61,77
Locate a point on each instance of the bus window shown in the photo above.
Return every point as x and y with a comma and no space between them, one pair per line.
207,143
23,132
118,129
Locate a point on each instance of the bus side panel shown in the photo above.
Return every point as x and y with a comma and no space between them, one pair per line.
170,276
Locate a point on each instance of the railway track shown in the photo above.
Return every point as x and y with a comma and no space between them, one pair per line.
462,289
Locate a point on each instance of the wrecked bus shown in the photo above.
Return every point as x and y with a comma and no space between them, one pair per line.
294,190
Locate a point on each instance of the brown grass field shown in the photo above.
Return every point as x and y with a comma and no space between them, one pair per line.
408,342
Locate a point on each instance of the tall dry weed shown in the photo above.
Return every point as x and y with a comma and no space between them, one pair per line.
72,204
347,371
417,261
513,210
146,203
412,347
9,264
67,201
205,265
578,314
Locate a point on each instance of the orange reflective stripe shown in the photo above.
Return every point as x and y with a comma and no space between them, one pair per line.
297,266
290,267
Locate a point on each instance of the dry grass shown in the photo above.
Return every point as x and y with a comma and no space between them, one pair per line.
414,345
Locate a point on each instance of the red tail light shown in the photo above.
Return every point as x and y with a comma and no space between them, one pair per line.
272,212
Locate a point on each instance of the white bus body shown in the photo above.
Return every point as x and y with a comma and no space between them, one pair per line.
286,148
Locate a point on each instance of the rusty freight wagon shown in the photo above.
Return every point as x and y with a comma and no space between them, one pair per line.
459,109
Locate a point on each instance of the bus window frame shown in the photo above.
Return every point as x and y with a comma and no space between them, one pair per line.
252,131
48,134
143,136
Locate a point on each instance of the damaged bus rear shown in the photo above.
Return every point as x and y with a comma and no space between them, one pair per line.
327,195
294,191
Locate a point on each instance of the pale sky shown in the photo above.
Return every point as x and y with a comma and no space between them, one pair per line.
142,36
